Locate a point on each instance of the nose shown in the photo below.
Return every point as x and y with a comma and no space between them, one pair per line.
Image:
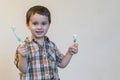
39,26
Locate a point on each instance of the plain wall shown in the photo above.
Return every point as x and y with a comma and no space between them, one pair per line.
97,23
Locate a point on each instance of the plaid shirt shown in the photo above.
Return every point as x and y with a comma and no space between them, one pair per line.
42,61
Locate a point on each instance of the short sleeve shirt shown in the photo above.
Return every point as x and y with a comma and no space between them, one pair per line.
42,60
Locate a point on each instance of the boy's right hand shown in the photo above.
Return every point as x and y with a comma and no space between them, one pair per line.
23,50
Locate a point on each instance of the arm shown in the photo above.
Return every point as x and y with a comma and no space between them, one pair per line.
66,59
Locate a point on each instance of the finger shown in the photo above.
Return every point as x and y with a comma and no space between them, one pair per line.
23,45
75,45
22,49
23,52
74,50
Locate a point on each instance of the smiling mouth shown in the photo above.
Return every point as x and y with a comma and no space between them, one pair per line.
39,32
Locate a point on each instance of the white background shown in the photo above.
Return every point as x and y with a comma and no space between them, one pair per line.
97,23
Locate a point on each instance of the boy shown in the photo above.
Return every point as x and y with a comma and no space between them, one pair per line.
37,57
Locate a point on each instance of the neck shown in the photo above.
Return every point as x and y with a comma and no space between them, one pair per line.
39,40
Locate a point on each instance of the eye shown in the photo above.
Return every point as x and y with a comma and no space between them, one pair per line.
35,23
44,23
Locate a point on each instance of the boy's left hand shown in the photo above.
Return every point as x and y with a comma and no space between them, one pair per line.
73,49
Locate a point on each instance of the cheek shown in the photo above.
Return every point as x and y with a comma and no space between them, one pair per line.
46,28
31,28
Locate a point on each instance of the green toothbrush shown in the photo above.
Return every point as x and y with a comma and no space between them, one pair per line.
75,36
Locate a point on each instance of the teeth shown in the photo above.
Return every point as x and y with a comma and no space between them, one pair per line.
39,32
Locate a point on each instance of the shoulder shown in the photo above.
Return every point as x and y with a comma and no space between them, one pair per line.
51,43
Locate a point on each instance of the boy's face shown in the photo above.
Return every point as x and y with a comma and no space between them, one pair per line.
38,25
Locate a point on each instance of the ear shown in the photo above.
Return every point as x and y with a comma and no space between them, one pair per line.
27,25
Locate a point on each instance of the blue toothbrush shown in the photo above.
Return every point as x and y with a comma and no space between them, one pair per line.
18,38
14,32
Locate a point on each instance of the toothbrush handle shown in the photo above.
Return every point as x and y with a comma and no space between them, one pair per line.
18,38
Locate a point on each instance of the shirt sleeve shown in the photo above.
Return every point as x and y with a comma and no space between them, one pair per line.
59,56
16,59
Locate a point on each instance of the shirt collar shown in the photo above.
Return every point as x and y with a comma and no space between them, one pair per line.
30,39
